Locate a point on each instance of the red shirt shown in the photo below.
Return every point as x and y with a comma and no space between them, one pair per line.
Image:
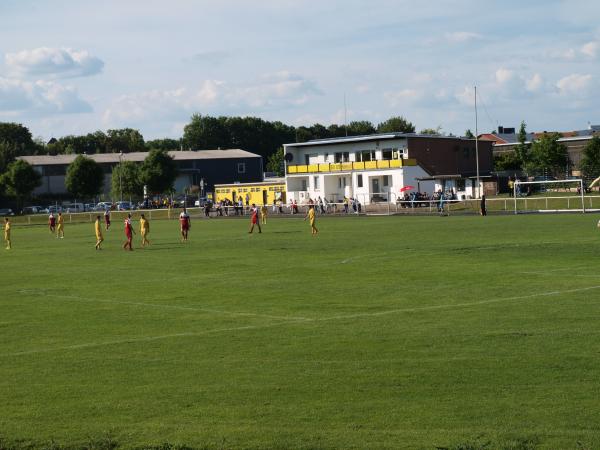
184,219
128,227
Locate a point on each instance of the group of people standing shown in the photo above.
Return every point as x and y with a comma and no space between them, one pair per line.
184,227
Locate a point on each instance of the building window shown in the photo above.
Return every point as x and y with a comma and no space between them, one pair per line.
304,185
241,167
342,157
359,180
460,184
386,154
386,180
316,183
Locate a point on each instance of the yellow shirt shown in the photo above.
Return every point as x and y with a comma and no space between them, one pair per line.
7,228
60,220
263,210
311,214
144,226
98,229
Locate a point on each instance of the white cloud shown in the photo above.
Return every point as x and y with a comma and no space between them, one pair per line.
39,98
462,36
535,83
590,49
54,62
402,97
574,84
504,76
272,91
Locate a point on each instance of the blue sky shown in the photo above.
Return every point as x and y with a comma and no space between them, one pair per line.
78,66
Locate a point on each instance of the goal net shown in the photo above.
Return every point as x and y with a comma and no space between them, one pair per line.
549,196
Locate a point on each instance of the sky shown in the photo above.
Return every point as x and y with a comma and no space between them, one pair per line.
73,67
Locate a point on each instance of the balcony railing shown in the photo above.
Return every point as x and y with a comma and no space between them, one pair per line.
346,166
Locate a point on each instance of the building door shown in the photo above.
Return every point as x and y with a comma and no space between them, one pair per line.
375,186
233,196
264,197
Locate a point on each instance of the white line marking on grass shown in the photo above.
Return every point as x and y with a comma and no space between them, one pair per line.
457,305
134,340
571,274
292,322
160,305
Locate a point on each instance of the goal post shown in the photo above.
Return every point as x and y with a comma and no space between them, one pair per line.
521,195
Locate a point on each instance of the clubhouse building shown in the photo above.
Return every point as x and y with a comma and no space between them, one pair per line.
380,167
209,166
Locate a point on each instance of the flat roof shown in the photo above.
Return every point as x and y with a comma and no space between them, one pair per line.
562,139
113,158
371,137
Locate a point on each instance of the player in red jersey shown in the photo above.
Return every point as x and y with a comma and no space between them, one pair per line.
254,219
52,223
107,219
184,224
128,233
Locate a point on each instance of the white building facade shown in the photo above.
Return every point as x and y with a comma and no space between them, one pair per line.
379,168
368,168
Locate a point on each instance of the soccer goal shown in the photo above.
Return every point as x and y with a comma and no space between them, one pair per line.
549,196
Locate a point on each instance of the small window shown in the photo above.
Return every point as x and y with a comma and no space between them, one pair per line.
386,154
304,185
241,167
386,180
316,183
359,180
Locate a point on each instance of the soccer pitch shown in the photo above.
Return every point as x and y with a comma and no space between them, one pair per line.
381,332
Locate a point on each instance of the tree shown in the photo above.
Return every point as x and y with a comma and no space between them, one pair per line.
396,124
522,149
125,181
158,171
84,178
469,134
205,132
590,161
15,140
20,180
124,140
507,161
360,128
437,131
548,155
275,163
163,144
19,136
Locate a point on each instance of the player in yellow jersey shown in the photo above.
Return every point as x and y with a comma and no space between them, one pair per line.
310,215
7,233
144,230
99,237
263,214
60,226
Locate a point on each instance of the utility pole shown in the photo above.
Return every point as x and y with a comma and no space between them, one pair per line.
477,147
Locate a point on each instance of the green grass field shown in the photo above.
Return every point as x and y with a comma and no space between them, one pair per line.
382,332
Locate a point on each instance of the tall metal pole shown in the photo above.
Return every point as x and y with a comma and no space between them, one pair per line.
345,115
477,147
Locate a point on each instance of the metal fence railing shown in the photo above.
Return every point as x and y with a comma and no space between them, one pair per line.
388,206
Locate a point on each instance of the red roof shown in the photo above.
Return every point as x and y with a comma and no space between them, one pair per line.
492,137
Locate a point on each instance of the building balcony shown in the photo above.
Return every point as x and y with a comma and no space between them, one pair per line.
349,166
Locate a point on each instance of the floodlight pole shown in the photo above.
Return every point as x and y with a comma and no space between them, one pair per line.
477,147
